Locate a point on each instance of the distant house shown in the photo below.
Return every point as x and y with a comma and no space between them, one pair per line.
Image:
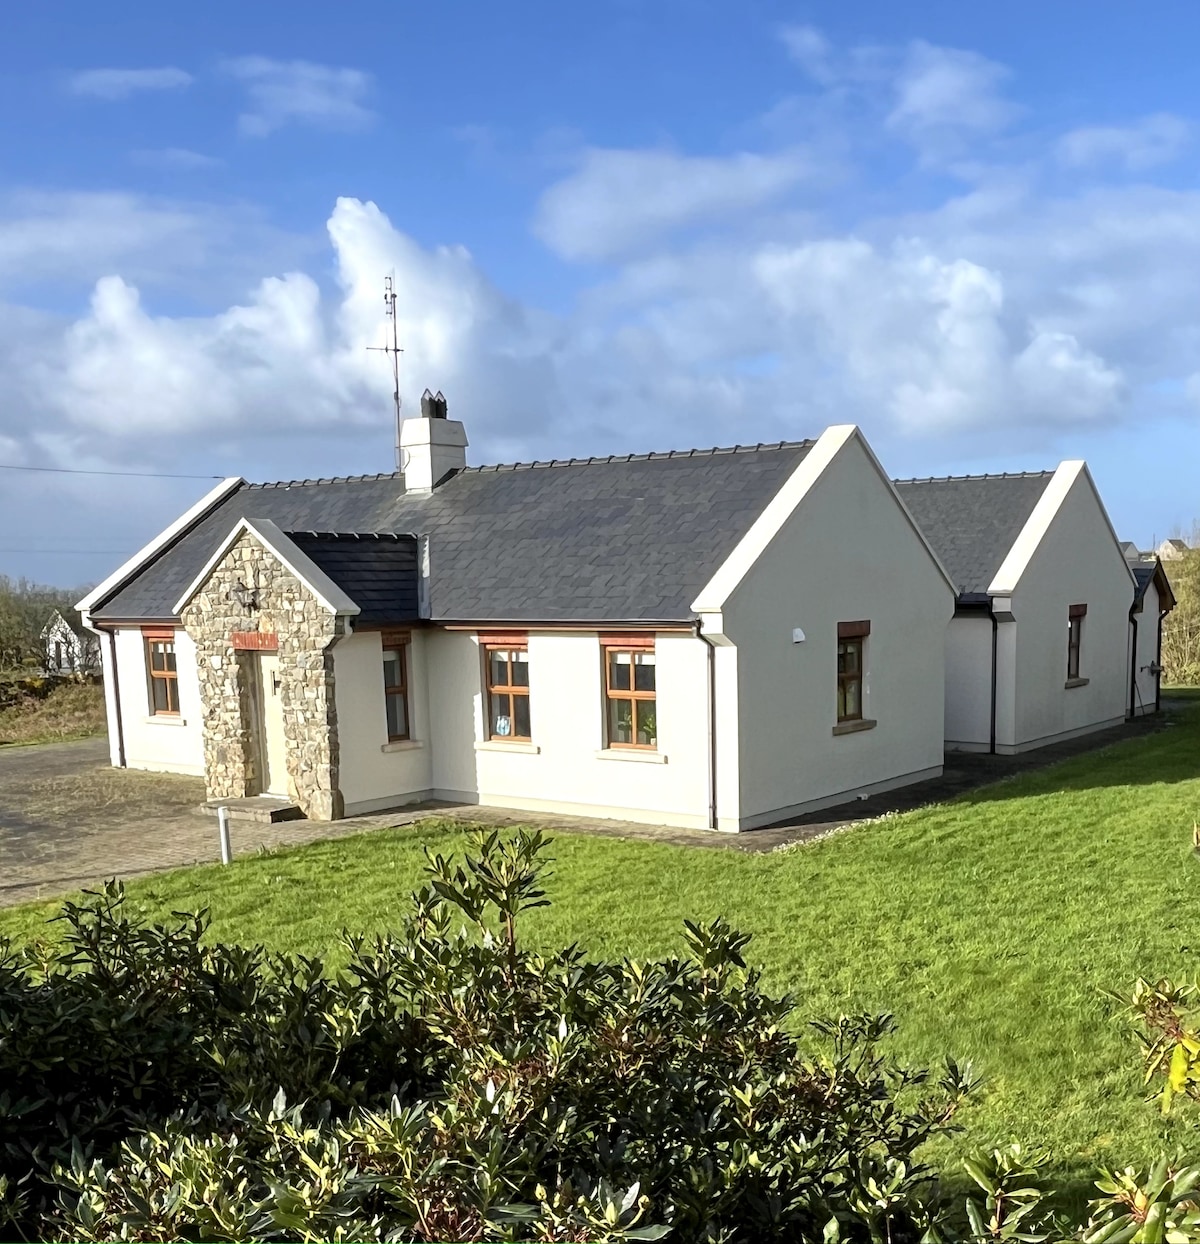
705,638
1153,599
1131,551
67,650
1039,647
1172,549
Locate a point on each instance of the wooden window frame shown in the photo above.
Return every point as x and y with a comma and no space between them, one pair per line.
633,645
398,642
152,635
507,644
852,633
1075,616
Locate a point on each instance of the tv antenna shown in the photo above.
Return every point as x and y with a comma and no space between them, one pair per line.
389,303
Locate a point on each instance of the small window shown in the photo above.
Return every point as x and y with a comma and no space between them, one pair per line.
852,640
630,692
1075,616
395,688
58,654
507,671
164,677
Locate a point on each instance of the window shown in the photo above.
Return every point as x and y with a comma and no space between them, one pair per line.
630,691
507,667
1075,616
164,677
852,638
58,654
395,685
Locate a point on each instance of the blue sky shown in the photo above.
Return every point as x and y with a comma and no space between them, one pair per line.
974,230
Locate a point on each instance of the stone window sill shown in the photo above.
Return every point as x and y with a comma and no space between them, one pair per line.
164,719
1075,682
639,755
854,727
402,745
497,745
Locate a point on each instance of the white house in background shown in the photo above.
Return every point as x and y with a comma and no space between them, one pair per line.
1172,549
1039,649
66,650
709,638
1153,599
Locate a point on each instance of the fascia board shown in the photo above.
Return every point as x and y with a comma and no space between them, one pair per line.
189,518
766,527
269,535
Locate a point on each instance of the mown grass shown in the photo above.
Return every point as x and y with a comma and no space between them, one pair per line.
70,711
990,926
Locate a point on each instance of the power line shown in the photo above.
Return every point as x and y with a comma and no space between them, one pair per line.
10,466
79,552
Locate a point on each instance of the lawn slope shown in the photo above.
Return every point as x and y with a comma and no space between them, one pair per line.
989,926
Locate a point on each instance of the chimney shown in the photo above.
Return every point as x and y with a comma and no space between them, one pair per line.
431,446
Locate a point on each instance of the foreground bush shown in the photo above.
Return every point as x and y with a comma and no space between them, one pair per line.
452,1085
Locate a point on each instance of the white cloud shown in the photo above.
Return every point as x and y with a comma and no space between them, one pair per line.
301,92
1153,140
946,96
175,159
811,50
618,202
121,83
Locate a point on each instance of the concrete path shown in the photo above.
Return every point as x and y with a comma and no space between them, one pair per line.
68,820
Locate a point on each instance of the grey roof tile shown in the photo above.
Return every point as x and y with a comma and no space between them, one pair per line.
972,520
632,539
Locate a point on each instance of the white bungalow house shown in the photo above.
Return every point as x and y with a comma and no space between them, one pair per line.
66,650
713,638
1042,644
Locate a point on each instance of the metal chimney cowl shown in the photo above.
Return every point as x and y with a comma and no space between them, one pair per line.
431,446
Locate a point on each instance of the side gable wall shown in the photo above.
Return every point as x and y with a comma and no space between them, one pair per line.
1078,561
847,553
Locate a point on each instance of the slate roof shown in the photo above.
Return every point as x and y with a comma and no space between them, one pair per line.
377,571
1143,576
628,539
972,521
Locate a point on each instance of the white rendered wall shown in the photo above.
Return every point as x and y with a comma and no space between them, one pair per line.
373,772
969,683
847,553
167,744
1147,651
566,767
1077,561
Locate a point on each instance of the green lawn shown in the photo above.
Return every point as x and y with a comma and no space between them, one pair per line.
989,926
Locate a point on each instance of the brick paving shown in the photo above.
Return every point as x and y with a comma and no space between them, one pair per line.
68,820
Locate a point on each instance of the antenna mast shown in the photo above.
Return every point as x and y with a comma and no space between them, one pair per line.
389,303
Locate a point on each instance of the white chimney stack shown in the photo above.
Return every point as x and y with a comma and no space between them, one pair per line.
431,446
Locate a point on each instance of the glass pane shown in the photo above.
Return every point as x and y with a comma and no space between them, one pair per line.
158,660
520,668
647,727
498,669
170,656
841,702
173,694
620,721
397,717
391,669
618,670
160,694
501,716
521,711
643,671
852,654
854,698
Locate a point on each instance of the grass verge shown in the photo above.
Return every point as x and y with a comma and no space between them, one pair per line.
70,711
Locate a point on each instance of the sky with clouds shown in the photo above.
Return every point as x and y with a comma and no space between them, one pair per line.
625,226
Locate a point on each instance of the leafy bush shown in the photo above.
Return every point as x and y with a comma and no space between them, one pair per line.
451,1084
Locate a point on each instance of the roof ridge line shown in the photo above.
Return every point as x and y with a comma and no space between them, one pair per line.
653,456
332,479
948,479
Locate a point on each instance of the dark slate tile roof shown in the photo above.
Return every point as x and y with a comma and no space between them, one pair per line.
972,521
377,571
1143,576
629,539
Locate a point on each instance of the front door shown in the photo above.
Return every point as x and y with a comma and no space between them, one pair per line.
273,744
